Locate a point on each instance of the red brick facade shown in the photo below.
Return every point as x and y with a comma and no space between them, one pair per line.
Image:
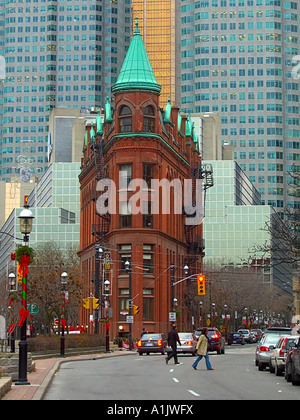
140,142
150,242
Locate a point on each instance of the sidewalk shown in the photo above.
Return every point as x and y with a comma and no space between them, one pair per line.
44,371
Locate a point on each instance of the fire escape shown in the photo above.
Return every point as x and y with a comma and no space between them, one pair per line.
195,241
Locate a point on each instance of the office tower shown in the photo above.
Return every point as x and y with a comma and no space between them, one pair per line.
237,60
159,23
58,54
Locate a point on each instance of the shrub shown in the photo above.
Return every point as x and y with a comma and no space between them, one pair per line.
52,342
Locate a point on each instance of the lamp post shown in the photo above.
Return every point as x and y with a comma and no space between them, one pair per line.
106,302
200,307
26,217
128,269
63,280
98,274
172,286
12,288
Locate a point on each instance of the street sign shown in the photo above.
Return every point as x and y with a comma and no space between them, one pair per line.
33,308
129,319
172,316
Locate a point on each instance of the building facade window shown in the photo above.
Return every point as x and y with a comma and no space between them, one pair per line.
149,119
124,255
125,119
148,263
148,305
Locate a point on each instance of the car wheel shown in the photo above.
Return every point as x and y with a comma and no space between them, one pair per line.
295,377
140,353
278,371
287,375
261,366
271,369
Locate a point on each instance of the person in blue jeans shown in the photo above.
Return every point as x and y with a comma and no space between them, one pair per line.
202,350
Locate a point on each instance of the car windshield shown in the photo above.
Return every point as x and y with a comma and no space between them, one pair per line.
271,338
151,337
236,335
185,335
290,342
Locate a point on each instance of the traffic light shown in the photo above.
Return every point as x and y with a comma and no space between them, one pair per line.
95,303
136,310
86,303
201,284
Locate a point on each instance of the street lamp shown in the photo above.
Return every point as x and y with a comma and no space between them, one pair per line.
128,269
106,302
12,288
98,270
63,280
26,218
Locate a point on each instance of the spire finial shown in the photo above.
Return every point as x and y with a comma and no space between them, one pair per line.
136,31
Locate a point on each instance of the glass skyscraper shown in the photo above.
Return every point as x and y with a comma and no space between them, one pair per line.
58,53
237,60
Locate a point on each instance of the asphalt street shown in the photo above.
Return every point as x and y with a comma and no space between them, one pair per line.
133,377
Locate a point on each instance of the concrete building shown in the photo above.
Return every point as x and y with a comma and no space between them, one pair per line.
55,206
238,59
235,224
57,54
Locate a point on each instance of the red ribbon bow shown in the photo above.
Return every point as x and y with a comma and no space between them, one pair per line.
23,268
23,315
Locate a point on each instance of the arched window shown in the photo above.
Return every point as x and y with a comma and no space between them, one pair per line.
149,119
125,119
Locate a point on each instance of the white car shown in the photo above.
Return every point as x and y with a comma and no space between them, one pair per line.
247,335
188,344
279,353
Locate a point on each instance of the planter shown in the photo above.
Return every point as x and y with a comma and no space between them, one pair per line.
9,363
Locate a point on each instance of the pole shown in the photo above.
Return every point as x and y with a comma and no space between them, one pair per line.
130,306
62,325
23,345
172,286
97,286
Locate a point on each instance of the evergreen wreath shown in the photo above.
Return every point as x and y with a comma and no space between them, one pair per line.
24,250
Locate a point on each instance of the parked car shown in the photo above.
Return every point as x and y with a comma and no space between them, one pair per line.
215,339
152,343
263,348
279,353
235,338
188,344
277,331
294,361
288,362
254,338
258,333
247,335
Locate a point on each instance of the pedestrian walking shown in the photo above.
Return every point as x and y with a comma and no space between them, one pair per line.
144,331
173,339
202,350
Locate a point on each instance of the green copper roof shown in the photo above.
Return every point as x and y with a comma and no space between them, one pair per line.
136,72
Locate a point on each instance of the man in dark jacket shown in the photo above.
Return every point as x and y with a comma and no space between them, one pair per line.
173,339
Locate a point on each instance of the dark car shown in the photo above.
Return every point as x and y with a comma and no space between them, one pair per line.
235,338
152,343
293,363
288,362
215,339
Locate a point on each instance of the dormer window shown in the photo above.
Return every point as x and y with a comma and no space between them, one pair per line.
125,119
149,119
